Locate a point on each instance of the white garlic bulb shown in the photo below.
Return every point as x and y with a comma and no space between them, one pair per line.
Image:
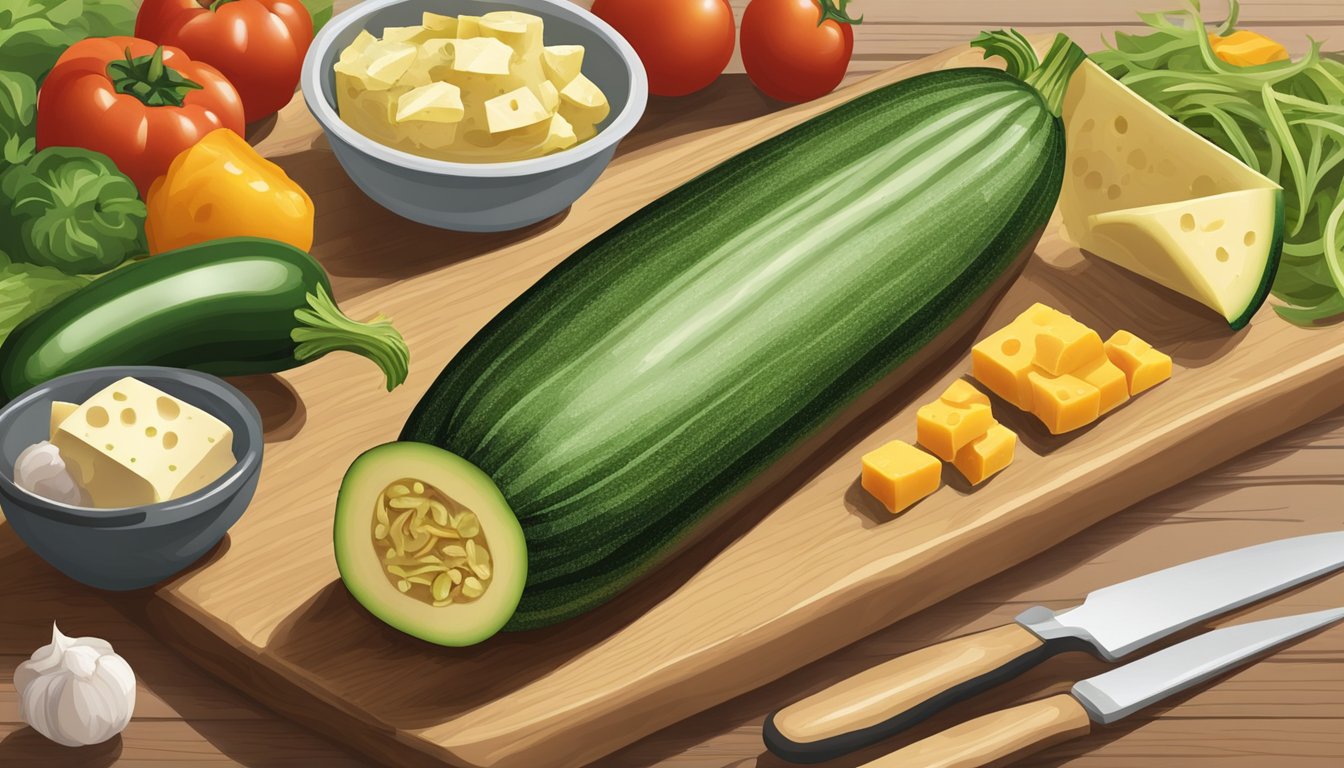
41,471
75,690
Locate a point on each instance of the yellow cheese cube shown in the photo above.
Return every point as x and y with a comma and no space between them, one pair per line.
1064,403
131,445
481,56
559,135
899,474
519,31
468,26
60,411
581,101
434,22
954,420
1109,380
1062,343
434,103
403,34
385,62
562,63
1002,362
987,455
549,96
516,109
962,392
1143,366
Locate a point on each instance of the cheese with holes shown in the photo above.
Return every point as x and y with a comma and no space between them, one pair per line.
1040,339
1146,193
469,89
1143,366
1062,344
130,445
959,416
987,455
515,109
1064,403
899,474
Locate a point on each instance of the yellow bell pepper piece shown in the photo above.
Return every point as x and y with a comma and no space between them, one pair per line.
222,188
1244,48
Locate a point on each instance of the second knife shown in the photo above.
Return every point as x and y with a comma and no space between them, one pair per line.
1111,622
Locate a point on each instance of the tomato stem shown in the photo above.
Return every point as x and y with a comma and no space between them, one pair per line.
213,5
835,10
148,79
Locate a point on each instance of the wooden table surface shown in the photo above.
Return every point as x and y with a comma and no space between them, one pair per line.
1288,710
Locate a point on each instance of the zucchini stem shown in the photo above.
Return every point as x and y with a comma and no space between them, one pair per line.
324,328
1050,77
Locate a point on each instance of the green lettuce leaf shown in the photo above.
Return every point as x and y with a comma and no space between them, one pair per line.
26,290
18,106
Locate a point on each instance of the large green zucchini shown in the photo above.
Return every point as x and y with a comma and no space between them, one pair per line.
672,359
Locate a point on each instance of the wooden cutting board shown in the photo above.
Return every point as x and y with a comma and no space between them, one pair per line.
803,568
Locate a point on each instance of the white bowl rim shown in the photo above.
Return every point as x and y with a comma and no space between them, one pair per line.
313,82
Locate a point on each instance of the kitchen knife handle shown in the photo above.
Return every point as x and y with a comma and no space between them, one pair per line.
891,697
1007,734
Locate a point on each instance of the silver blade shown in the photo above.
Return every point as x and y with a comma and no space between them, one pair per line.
1110,696
1124,617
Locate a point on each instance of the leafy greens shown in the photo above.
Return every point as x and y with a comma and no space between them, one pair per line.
26,290
1284,119
71,209
34,33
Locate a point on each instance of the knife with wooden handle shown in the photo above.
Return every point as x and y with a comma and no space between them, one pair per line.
1028,728
1112,622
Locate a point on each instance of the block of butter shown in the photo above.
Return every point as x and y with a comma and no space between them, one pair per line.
131,444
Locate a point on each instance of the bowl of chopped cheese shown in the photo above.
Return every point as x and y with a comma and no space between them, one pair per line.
473,115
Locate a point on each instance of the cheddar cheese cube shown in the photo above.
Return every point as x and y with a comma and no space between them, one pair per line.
1064,403
1143,366
1109,380
1002,361
987,455
959,416
1062,343
899,474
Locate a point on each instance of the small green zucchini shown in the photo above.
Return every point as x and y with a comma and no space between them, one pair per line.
228,307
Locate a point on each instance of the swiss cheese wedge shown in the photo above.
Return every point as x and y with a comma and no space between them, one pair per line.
1148,194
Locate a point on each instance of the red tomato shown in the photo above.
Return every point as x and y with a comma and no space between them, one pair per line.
684,44
797,50
138,103
259,45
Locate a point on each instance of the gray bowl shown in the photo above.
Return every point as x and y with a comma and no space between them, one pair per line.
478,197
135,547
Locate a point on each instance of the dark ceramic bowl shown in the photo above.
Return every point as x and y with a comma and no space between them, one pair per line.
135,547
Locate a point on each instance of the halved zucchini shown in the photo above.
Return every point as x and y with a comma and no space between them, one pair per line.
426,542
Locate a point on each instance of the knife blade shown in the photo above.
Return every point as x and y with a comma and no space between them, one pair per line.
1112,622
1106,698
